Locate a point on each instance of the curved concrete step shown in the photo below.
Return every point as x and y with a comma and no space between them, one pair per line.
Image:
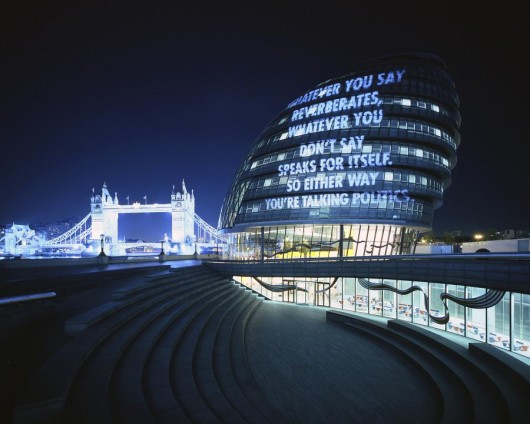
48,389
484,401
203,359
182,362
179,274
511,375
157,382
223,367
127,297
127,397
241,370
489,402
454,398
89,396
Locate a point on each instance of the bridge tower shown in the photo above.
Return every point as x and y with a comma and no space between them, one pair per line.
106,209
104,215
182,216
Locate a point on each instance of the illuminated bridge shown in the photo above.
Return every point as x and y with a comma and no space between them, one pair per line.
99,228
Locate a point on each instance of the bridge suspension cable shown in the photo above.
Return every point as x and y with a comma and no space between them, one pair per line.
75,235
207,229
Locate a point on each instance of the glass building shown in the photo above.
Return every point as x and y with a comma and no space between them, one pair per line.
355,166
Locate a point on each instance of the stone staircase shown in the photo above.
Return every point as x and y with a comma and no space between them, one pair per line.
478,383
169,348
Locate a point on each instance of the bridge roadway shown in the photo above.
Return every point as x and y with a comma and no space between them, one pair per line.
504,271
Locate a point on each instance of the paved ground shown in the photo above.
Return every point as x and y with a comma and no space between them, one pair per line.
316,371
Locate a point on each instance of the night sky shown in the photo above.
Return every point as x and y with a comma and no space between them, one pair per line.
144,95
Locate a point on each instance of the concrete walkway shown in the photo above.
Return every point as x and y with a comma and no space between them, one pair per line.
316,371
19,274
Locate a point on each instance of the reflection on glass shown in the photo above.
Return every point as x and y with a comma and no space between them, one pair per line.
476,318
492,325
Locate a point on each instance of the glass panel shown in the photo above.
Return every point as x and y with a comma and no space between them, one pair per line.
404,311
521,323
376,300
337,299
389,301
349,294
419,315
456,311
277,296
361,298
499,323
322,291
435,303
476,318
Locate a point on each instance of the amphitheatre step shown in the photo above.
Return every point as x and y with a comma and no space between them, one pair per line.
241,372
456,397
184,358
126,381
489,403
203,360
249,289
168,280
90,394
157,381
137,293
510,374
179,273
49,387
223,367
64,284
501,359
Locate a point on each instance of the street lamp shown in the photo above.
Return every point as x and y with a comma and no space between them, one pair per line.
478,237
102,253
162,247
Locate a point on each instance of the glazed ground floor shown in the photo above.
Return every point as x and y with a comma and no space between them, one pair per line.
506,324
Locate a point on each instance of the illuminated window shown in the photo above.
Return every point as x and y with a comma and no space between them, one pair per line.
405,102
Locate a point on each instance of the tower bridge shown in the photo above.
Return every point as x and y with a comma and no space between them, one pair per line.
100,225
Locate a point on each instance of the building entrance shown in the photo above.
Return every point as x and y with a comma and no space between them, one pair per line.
305,292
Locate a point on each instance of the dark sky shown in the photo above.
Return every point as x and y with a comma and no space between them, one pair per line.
143,95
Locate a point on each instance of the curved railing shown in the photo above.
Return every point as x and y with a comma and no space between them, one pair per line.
500,271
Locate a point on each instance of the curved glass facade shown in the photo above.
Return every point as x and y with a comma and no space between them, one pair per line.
355,166
504,324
